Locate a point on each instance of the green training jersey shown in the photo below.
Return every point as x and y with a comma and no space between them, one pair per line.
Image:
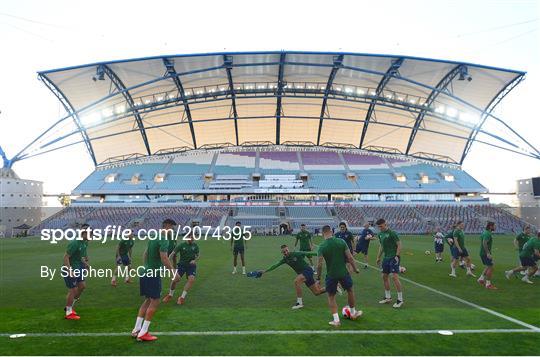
153,250
125,246
460,236
522,238
170,243
449,235
76,250
333,250
187,251
304,237
84,252
238,239
529,247
487,237
389,243
296,260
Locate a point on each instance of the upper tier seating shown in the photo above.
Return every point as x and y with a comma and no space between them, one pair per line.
321,161
278,162
325,170
235,163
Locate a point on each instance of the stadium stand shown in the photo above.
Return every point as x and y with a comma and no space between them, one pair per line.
278,162
411,219
326,171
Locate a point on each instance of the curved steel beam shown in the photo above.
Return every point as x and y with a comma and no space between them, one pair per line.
280,85
338,61
254,94
117,82
393,71
71,111
228,62
441,86
352,68
530,155
489,109
171,72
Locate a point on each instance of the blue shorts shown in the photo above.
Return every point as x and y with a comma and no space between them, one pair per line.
486,261
150,286
439,248
308,274
390,265
123,260
456,255
527,262
72,282
237,250
190,269
362,247
331,284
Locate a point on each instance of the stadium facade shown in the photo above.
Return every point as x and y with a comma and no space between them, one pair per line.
20,203
378,134
528,197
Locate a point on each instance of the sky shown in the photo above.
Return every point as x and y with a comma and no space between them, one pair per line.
39,35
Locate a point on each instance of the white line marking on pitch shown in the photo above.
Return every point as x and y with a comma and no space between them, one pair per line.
455,298
277,332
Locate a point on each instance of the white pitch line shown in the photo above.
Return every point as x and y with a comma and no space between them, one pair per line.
455,298
276,332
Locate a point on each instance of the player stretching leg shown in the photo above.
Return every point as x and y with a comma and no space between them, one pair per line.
306,242
189,254
296,260
336,254
362,246
459,250
519,242
529,255
123,257
73,261
486,240
154,258
390,245
238,246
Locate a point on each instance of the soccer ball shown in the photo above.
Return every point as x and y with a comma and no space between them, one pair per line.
346,312
427,252
402,270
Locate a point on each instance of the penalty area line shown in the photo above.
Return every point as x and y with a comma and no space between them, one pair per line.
276,332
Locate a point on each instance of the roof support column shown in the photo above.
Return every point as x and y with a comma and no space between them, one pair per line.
171,71
117,82
393,71
487,112
72,112
441,86
338,60
228,63
279,94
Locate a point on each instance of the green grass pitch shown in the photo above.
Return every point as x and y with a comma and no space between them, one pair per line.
221,301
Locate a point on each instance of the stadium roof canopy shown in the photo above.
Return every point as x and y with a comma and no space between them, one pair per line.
426,108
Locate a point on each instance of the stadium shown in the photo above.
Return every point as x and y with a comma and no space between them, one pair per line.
276,140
